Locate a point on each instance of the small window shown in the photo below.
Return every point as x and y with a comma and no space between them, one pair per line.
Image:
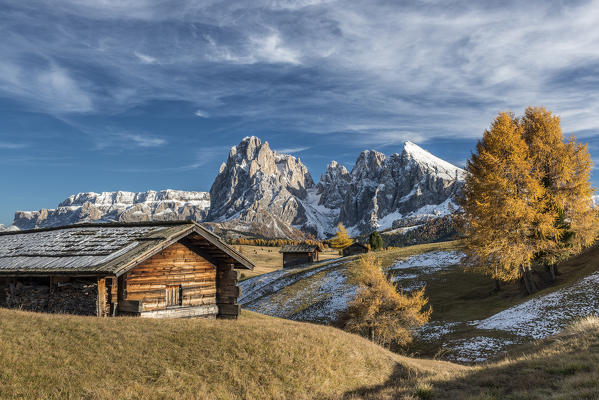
174,296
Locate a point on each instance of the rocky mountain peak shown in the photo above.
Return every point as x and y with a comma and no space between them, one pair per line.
413,152
368,164
254,180
333,185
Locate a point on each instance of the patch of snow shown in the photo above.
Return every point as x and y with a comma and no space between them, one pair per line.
397,278
435,330
546,315
431,261
477,349
319,300
321,218
401,230
387,221
437,210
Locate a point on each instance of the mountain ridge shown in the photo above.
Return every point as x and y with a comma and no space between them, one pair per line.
259,191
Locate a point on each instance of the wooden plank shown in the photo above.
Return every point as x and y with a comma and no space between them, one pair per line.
229,309
101,297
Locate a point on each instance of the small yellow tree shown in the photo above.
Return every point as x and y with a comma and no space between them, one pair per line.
341,239
381,312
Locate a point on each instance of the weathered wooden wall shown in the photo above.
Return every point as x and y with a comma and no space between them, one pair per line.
227,292
293,259
176,265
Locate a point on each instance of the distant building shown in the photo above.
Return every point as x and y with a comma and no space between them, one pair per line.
169,269
299,254
354,248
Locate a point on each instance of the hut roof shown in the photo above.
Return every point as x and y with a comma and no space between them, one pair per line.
357,244
299,248
111,248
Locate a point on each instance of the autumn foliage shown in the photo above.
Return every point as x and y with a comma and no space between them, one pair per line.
380,311
527,197
341,238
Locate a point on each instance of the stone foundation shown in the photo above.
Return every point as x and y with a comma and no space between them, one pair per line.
74,296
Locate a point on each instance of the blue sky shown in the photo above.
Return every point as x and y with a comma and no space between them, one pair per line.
135,95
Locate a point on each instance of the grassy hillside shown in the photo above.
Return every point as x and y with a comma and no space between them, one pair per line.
257,357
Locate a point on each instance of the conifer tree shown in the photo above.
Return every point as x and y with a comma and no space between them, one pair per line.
527,197
379,311
564,169
501,203
341,238
375,240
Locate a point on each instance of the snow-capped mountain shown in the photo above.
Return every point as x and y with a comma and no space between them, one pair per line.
261,192
257,182
382,189
165,205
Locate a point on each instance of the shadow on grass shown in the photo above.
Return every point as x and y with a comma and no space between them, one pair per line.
564,369
401,377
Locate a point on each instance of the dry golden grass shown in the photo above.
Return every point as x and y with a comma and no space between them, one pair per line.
55,356
268,259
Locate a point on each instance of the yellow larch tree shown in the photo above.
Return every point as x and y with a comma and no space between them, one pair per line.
563,168
380,311
341,238
501,202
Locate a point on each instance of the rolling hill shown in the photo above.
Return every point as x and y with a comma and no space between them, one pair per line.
257,357
470,322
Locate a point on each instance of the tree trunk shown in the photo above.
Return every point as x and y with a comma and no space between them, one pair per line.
550,269
527,280
371,333
556,270
497,285
531,282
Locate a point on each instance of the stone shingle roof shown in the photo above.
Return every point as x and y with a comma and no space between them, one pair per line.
97,248
299,248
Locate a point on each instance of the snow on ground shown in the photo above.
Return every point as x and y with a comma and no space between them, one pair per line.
536,318
477,349
430,262
546,315
435,330
317,293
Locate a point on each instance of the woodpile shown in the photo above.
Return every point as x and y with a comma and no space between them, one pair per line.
76,297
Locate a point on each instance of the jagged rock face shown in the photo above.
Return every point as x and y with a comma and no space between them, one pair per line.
259,187
165,205
333,185
382,190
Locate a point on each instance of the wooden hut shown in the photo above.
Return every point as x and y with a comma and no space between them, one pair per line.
171,269
299,254
354,248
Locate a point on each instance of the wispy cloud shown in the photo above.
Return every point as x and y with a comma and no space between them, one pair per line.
144,58
291,150
142,140
12,146
201,114
433,69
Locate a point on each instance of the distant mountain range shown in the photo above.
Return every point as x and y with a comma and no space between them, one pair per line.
261,192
